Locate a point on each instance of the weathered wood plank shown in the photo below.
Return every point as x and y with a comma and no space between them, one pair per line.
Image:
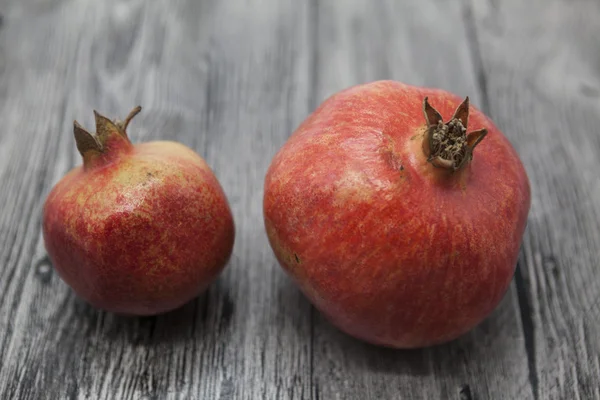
423,43
229,79
542,63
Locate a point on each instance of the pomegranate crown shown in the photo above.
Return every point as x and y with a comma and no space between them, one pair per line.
90,146
448,145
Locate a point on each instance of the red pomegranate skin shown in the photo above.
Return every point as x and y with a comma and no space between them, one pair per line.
139,230
391,249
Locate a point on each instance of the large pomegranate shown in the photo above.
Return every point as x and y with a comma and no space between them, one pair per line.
400,225
138,229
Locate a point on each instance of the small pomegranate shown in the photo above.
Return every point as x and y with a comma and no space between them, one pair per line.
138,229
400,225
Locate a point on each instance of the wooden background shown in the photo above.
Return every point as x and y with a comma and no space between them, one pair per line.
232,79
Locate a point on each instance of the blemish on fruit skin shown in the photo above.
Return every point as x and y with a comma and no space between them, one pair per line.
353,186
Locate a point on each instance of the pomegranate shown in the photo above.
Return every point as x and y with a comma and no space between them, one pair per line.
400,225
138,229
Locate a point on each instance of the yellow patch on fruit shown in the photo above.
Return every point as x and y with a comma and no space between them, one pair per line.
352,187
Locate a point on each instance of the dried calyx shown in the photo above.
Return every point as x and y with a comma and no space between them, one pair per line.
90,146
448,145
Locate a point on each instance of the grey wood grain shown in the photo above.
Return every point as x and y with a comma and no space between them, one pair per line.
413,42
542,63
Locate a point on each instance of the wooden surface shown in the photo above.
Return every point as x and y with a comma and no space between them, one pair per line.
232,79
